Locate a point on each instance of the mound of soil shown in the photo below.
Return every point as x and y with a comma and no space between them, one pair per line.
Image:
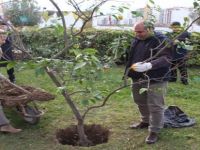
95,133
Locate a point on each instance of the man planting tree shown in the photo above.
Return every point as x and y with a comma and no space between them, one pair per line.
148,65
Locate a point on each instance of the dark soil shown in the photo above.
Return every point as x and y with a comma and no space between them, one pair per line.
95,133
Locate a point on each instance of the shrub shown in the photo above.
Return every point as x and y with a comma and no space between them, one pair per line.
22,13
109,43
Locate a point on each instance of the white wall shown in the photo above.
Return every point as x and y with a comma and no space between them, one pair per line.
178,15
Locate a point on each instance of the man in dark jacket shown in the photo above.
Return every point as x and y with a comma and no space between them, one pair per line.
179,54
7,53
148,66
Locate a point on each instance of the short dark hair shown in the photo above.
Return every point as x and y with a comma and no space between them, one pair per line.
175,23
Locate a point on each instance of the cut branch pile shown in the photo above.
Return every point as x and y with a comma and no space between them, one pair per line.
13,95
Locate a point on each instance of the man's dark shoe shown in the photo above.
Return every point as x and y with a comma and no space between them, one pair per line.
185,82
140,125
172,80
151,138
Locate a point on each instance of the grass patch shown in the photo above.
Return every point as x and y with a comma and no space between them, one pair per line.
119,112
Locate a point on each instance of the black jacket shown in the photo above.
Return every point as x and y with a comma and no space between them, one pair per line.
7,52
7,49
179,52
151,52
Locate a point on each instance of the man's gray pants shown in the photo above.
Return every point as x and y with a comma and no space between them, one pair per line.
151,103
3,119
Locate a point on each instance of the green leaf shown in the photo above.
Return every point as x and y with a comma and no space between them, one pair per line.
81,81
151,1
84,102
121,10
98,97
90,51
101,13
93,101
95,58
136,14
76,52
60,89
115,17
31,65
78,56
125,7
39,71
142,90
65,13
10,64
45,16
195,4
80,65
186,19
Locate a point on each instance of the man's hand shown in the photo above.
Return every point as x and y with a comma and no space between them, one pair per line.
141,67
1,53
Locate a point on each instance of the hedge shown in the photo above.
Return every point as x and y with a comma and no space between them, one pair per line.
47,41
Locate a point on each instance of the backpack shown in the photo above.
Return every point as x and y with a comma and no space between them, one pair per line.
174,117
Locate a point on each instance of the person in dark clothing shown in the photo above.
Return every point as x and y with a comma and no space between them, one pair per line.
5,125
148,66
7,54
179,54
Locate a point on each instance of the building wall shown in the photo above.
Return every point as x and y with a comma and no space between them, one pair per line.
177,14
163,18
174,14
1,8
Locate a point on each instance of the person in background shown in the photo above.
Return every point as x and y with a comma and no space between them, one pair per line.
148,66
5,125
7,53
179,54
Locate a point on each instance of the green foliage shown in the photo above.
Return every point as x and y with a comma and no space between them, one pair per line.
111,43
23,12
192,45
108,43
48,41
86,70
43,42
10,64
194,58
82,68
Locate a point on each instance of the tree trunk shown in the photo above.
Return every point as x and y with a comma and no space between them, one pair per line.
83,140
